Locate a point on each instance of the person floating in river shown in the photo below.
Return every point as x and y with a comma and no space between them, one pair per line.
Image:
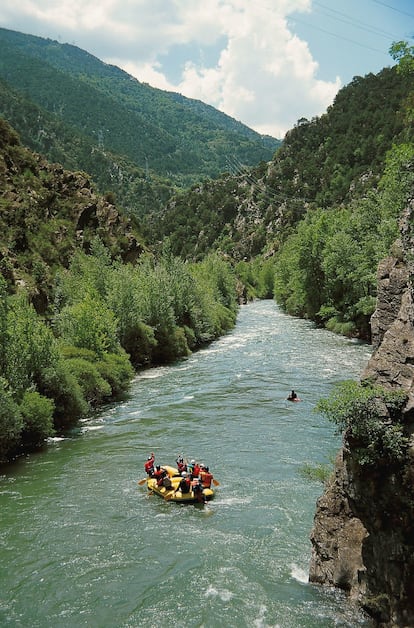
293,396
149,465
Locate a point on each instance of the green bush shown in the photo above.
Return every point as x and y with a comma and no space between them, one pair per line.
139,342
372,419
116,369
224,319
62,386
37,414
171,344
317,473
11,423
69,351
94,388
345,328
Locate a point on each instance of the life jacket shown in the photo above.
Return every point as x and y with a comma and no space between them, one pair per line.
196,470
185,485
181,466
149,466
206,478
159,475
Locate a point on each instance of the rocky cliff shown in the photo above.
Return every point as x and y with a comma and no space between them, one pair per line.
363,534
46,214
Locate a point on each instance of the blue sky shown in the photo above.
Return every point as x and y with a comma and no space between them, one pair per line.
353,38
266,63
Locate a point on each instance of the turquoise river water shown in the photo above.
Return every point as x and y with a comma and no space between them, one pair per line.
83,545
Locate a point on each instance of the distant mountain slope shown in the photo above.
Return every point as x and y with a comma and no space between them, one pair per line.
156,131
47,134
325,162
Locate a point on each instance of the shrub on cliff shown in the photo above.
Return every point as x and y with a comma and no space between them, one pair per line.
371,417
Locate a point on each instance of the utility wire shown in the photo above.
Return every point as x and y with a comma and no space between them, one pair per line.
352,41
384,4
355,22
240,170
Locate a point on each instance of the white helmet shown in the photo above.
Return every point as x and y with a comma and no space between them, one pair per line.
184,474
193,462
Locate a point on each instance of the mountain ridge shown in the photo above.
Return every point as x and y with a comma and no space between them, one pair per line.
157,131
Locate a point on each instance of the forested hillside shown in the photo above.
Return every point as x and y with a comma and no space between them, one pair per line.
82,303
133,139
325,209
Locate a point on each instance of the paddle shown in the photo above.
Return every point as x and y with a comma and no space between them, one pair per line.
216,482
142,482
169,496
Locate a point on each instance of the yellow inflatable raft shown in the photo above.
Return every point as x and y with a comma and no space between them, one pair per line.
169,490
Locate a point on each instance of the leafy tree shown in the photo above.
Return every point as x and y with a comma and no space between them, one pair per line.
94,387
116,369
89,324
30,346
11,422
404,54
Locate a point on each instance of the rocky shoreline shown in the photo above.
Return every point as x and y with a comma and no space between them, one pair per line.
363,533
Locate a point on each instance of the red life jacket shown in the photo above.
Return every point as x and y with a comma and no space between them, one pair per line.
159,475
196,470
149,465
206,478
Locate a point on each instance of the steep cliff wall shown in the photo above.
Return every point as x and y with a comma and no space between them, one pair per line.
363,534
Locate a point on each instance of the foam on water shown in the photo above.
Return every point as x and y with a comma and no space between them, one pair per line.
299,574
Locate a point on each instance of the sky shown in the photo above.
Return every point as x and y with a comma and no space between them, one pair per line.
266,63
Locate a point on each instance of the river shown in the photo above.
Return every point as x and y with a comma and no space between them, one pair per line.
83,545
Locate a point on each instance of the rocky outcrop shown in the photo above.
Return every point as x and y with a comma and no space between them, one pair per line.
47,213
337,537
363,534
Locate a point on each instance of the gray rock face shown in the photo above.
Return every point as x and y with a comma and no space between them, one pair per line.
363,534
337,537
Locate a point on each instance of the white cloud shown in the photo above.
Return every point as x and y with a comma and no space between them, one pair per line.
263,75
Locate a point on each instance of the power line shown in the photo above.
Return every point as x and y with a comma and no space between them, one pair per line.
241,170
352,41
384,4
352,21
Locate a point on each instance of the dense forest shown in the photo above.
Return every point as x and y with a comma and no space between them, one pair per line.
137,141
93,288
